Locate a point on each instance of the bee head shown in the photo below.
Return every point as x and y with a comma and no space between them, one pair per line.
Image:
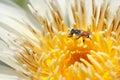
72,31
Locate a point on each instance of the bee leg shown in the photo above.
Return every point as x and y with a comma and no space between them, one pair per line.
83,39
70,35
78,37
89,37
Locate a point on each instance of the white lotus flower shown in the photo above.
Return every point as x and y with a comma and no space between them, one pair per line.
35,40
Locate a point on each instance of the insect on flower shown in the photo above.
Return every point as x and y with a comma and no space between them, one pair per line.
79,33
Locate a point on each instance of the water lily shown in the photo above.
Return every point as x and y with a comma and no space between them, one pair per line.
36,44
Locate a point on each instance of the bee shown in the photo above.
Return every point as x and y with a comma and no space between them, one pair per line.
79,33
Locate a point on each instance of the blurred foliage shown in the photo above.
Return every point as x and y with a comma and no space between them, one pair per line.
21,3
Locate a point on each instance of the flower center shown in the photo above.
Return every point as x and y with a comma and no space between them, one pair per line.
72,48
75,56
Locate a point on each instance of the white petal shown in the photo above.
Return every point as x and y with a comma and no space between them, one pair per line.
16,19
39,6
10,9
7,73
